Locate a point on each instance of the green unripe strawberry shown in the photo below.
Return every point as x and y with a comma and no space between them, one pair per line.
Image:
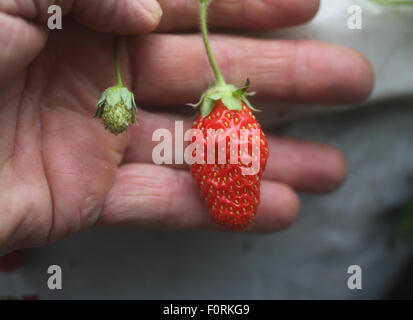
117,109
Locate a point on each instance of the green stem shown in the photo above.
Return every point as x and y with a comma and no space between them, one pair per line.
218,76
117,69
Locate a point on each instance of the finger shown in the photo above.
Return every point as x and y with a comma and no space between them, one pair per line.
125,17
243,14
152,196
21,42
305,166
294,71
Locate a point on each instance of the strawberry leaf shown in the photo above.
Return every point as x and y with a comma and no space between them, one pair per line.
102,100
207,106
125,95
99,113
232,102
113,97
133,102
196,105
216,95
245,100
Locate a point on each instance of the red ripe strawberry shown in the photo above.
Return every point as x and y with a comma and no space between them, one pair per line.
232,197
230,188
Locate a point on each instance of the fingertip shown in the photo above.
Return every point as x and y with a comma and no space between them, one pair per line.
329,170
152,6
289,209
315,6
269,14
357,75
279,208
307,10
364,74
336,170
154,12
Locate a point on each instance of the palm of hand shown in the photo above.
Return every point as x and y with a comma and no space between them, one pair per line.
56,169
61,172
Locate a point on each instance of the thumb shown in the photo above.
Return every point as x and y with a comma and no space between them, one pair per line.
115,16
118,16
22,38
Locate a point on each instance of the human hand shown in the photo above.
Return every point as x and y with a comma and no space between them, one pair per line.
61,172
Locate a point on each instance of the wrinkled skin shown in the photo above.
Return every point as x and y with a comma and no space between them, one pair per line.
61,172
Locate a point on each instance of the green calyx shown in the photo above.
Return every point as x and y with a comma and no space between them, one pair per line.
230,96
117,109
117,105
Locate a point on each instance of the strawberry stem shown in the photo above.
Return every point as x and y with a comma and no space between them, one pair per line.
117,69
219,79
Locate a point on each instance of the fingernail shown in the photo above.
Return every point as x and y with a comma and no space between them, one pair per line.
152,6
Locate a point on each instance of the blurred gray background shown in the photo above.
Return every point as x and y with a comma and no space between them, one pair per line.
310,260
